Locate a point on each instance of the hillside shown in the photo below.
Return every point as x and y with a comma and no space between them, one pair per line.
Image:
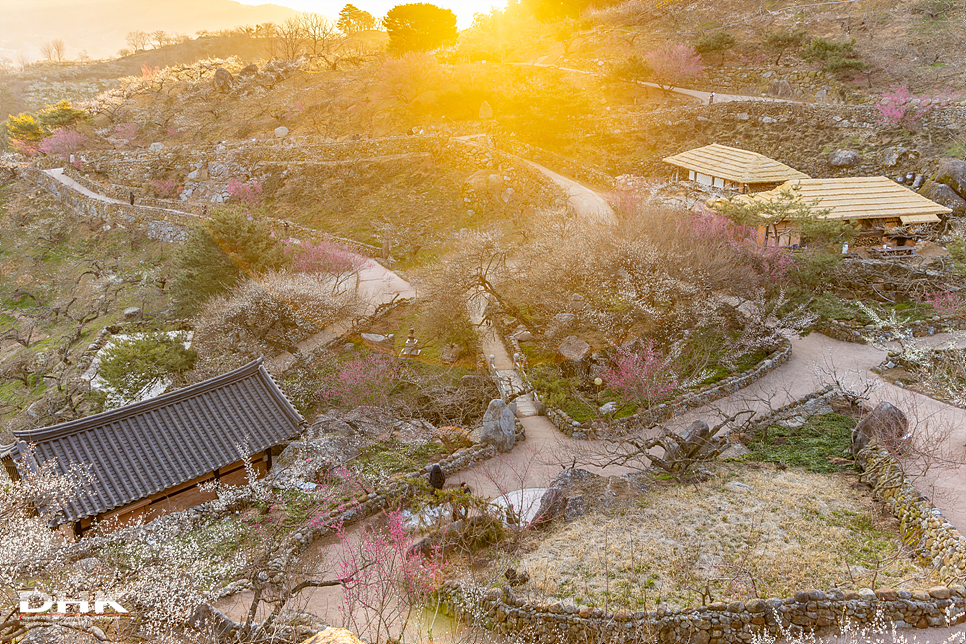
99,27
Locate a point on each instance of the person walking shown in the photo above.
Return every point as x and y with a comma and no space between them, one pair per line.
711,99
131,197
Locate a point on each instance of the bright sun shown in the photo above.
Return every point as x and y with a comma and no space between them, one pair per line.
464,9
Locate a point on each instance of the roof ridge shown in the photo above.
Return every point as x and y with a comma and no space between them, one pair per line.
81,424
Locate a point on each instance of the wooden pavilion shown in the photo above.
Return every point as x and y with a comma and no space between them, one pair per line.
719,166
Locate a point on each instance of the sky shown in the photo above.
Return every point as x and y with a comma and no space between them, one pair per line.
464,9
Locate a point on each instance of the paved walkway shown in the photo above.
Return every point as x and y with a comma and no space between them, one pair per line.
700,95
375,284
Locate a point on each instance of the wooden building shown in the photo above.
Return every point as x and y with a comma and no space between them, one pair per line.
718,166
148,459
878,204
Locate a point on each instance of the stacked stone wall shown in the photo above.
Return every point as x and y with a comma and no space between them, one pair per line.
674,407
815,611
203,175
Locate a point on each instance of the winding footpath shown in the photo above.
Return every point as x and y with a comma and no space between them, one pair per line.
815,361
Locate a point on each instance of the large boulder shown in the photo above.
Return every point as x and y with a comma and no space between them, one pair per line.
698,443
781,89
223,80
499,426
944,196
844,158
952,172
573,352
885,425
553,503
890,156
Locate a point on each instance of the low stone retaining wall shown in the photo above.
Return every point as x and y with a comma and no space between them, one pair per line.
599,429
844,332
166,222
204,174
923,526
158,224
807,611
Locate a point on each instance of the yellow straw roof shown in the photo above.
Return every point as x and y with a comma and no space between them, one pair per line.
734,164
859,198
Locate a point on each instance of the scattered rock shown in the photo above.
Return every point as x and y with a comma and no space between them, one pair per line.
944,196
132,313
891,155
223,80
156,148
885,425
734,450
377,340
738,486
499,426
843,158
281,131
523,336
486,112
608,408
515,578
573,349
697,443
250,70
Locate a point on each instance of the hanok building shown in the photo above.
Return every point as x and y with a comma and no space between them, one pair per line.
149,458
718,166
879,205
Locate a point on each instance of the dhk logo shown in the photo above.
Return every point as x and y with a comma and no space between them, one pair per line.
35,603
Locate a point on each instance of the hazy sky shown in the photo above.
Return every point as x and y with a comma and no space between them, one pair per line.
464,9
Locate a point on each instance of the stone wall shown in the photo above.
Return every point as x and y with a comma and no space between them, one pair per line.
164,225
935,540
806,611
799,135
674,407
203,175
859,334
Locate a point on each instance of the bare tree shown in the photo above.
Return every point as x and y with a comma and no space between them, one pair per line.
160,38
321,37
138,40
290,36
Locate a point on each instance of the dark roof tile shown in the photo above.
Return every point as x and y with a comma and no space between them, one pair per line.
155,444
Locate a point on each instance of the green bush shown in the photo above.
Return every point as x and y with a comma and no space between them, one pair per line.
131,366
233,244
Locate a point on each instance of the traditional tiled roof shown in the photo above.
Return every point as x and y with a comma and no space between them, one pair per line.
155,444
860,198
734,164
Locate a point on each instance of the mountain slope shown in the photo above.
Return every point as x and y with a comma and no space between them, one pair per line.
99,27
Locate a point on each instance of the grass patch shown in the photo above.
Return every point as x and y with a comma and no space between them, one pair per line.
777,532
809,446
394,457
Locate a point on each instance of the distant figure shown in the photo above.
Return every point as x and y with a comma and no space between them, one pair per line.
436,477
461,509
131,198
711,99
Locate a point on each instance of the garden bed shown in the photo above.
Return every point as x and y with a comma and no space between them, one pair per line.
750,531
